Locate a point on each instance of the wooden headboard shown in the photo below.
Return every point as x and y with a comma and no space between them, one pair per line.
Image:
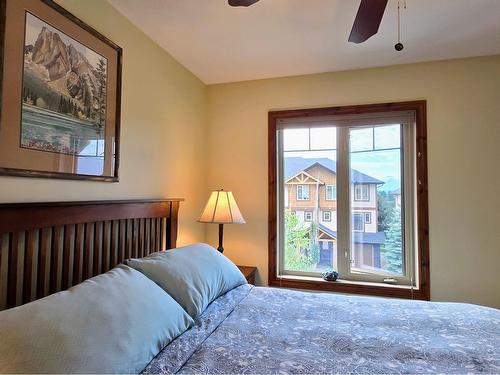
48,247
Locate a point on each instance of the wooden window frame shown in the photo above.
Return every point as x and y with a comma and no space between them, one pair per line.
422,291
368,215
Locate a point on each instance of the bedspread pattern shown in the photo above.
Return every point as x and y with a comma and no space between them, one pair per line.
173,356
283,331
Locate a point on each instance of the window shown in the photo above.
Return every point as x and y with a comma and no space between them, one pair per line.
358,222
302,192
370,151
331,193
361,192
327,215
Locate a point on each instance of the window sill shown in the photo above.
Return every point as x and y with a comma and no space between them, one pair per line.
345,286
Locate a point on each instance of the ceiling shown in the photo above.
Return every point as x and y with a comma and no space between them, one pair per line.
276,38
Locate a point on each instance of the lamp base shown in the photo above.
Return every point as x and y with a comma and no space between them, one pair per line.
221,234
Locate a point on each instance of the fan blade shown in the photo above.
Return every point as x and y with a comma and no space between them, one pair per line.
241,3
367,20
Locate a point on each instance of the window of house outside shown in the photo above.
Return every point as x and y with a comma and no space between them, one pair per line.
327,215
331,192
361,192
358,222
302,192
368,217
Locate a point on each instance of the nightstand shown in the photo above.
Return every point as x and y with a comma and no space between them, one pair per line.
249,273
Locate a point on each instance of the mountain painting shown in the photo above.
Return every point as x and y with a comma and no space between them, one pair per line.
63,93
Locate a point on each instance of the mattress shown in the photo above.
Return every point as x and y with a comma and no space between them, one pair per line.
270,330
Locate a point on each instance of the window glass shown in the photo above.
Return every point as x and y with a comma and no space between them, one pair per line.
310,242
296,139
323,138
371,228
376,246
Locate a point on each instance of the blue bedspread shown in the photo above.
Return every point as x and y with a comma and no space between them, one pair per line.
268,330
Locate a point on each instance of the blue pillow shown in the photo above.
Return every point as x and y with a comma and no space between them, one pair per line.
193,275
112,323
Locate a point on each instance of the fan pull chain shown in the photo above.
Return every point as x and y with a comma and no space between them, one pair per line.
399,46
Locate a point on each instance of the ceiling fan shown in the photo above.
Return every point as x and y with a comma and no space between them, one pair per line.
365,25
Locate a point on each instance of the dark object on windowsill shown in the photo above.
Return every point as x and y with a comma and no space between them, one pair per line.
330,276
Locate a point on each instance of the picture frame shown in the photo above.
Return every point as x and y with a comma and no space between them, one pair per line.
60,95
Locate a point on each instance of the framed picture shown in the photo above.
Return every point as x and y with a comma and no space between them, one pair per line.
60,87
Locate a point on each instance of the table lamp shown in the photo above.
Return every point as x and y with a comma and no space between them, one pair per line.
221,209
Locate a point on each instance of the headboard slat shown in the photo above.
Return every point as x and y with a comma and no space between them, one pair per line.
158,231
68,240
52,246
96,269
55,254
105,246
44,245
87,243
134,238
28,264
78,254
153,233
12,273
141,237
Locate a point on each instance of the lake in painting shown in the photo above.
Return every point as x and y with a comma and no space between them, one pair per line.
64,93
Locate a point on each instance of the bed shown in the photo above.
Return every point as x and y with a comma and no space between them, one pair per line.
258,330
246,329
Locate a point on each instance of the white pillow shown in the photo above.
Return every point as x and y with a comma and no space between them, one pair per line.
112,323
194,275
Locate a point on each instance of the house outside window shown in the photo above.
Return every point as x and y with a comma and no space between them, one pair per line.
303,192
331,192
327,215
359,162
361,192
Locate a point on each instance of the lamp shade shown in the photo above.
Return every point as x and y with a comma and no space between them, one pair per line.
221,208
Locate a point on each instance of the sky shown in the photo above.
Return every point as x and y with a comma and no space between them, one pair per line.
33,27
374,150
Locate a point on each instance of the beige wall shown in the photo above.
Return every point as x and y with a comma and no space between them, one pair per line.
166,140
463,145
163,129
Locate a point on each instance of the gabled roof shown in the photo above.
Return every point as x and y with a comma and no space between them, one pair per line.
377,238
303,174
294,165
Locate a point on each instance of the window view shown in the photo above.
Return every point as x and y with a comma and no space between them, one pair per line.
375,249
309,165
375,160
